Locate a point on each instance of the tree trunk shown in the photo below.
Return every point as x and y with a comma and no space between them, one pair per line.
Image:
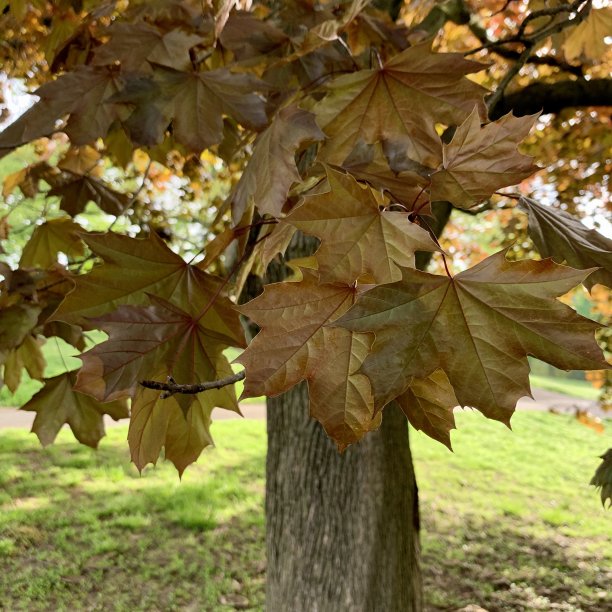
342,530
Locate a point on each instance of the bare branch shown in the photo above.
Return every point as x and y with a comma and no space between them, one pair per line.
496,96
554,97
171,387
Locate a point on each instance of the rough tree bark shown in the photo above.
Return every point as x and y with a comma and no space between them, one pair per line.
342,530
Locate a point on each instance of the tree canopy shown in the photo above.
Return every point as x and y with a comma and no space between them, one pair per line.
179,147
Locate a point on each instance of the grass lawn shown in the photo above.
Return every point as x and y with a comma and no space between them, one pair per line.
509,521
582,389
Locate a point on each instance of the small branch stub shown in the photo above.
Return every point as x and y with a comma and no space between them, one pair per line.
171,386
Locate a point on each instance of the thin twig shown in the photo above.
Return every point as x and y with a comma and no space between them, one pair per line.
134,196
499,92
171,387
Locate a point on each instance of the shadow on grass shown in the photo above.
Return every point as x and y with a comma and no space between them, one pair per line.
503,568
81,529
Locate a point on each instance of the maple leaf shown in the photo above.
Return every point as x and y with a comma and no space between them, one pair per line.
133,45
80,160
603,478
558,234
293,345
132,269
76,190
27,355
82,94
143,339
402,181
156,423
412,89
271,169
16,322
588,39
194,103
478,327
428,403
57,403
479,161
357,236
49,239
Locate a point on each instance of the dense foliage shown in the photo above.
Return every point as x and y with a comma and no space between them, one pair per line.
210,135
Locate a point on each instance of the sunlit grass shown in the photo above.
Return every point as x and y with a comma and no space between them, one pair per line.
507,517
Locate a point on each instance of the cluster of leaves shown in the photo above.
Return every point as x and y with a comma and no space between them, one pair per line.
341,125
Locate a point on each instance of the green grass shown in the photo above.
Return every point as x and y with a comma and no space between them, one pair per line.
81,529
509,521
568,386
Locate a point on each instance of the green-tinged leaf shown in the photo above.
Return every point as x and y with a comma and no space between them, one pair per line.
428,403
16,322
49,239
132,269
294,345
57,403
357,236
271,169
156,423
405,97
158,337
478,327
602,478
479,161
561,236
27,355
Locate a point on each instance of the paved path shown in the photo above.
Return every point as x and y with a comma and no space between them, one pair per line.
543,400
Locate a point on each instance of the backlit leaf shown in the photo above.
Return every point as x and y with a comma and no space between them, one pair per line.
157,337
194,103
478,327
76,190
135,44
402,183
357,236
479,161
603,478
27,355
49,239
156,423
57,403
588,39
271,169
428,403
132,269
82,95
561,236
412,90
294,345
